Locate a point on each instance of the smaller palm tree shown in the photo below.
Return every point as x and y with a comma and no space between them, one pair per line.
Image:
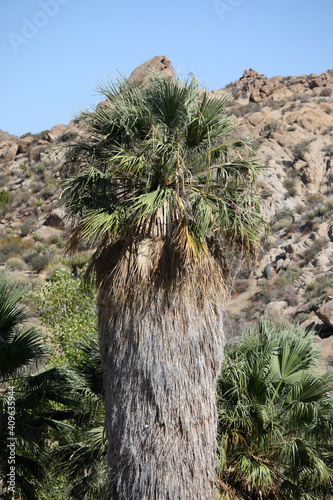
275,418
22,352
82,458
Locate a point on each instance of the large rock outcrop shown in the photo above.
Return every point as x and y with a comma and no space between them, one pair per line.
159,64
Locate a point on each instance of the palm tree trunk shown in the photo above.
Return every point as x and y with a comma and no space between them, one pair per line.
160,367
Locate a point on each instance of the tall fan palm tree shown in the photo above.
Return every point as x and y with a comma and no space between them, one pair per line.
166,196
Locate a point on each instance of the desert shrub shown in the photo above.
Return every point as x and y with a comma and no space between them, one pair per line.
313,250
289,184
291,129
266,293
27,226
290,108
284,213
266,193
4,179
67,136
285,224
10,246
57,265
39,169
22,199
270,126
56,239
301,317
289,293
314,198
36,282
37,155
276,104
288,276
300,149
300,208
15,264
68,309
241,286
37,187
29,254
20,279
41,246
283,219
38,237
79,259
39,262
320,288
4,197
41,135
321,211
39,203
251,107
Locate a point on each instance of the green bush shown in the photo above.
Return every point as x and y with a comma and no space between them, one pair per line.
321,288
270,126
289,184
27,227
20,279
289,276
41,135
68,136
15,264
68,309
4,197
251,107
4,179
321,211
313,250
56,239
79,259
300,149
284,213
39,262
12,246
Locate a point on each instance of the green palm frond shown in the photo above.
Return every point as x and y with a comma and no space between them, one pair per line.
22,349
275,415
160,161
12,313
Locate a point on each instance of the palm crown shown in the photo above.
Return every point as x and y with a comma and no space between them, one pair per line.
160,183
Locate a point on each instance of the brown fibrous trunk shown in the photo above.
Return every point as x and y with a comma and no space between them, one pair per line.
161,358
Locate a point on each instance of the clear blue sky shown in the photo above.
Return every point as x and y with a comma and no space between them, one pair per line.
53,52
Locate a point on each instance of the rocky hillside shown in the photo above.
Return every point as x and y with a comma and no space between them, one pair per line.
290,120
